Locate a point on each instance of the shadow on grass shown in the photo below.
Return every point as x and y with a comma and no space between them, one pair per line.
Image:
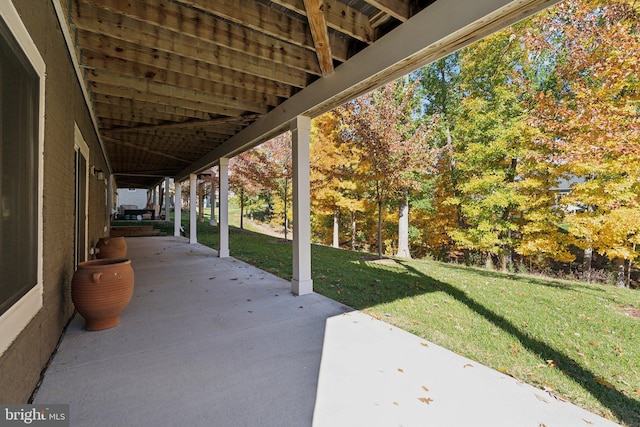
558,284
418,283
621,405
356,279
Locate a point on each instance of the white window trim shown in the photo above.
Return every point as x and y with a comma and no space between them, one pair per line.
14,320
80,145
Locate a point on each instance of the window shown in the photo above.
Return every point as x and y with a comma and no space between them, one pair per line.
18,172
21,146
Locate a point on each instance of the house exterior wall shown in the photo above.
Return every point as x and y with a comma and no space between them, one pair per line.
22,363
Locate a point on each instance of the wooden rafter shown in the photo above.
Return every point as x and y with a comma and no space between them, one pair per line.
146,150
220,57
196,32
399,9
320,35
186,124
176,92
338,16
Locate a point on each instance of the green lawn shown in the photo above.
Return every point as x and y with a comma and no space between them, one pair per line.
572,338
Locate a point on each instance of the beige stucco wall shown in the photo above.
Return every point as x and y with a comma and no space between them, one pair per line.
22,363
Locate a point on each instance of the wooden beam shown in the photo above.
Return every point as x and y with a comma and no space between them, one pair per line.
187,124
399,9
146,150
220,57
338,16
184,113
196,32
144,96
171,92
155,75
320,35
246,13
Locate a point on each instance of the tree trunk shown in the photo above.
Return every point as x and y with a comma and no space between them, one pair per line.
353,230
242,209
212,199
336,228
586,265
488,262
629,265
403,227
201,202
380,229
620,276
285,199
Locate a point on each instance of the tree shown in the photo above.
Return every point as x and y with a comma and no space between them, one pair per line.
333,165
589,116
389,145
241,170
441,100
492,132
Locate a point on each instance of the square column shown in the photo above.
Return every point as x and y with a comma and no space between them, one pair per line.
177,211
193,230
301,283
167,200
223,208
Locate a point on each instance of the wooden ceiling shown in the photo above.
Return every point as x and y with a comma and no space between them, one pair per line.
170,81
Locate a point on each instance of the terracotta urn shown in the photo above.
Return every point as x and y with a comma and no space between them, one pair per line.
100,290
111,247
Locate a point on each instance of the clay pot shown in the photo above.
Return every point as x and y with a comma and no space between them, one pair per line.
111,247
100,290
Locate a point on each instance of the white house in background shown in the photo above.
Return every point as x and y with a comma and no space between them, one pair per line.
133,197
564,187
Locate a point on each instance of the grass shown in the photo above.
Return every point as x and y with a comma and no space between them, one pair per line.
571,338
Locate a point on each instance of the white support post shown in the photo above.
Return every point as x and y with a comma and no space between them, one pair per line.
193,231
223,212
302,283
167,199
177,211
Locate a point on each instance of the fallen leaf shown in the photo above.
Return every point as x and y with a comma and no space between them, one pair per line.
424,344
603,382
400,370
426,400
554,394
424,388
468,365
551,363
542,399
595,342
503,369
542,425
637,391
587,421
396,403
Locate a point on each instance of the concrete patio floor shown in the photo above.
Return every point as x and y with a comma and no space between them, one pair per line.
215,342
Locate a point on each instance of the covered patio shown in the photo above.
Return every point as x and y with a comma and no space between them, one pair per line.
210,341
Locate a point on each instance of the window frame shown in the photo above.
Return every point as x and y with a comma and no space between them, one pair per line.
17,317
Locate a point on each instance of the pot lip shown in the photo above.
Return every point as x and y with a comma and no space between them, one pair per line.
111,237
99,263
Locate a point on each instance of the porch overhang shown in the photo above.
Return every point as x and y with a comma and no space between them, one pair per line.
437,31
175,85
